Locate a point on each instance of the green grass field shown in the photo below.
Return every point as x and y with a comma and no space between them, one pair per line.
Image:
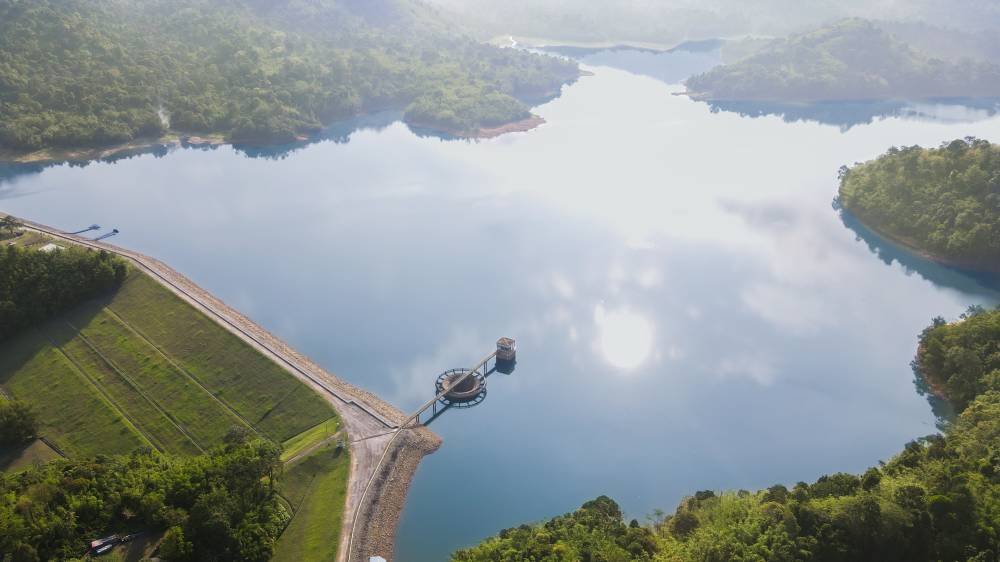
255,387
308,438
72,412
143,368
316,487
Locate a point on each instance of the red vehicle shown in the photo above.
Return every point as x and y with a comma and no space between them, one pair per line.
102,546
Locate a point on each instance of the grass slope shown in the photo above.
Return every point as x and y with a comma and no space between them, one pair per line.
316,487
157,426
309,438
255,387
144,368
71,411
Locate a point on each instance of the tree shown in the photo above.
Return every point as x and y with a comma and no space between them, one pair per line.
10,224
18,423
174,548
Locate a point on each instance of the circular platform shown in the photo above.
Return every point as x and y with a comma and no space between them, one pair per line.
468,393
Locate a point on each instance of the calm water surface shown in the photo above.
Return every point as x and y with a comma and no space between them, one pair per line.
690,310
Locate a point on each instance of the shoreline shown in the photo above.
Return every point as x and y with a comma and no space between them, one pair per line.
708,97
369,421
176,139
913,248
932,386
542,42
521,126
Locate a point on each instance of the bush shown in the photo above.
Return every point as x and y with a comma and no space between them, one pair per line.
18,423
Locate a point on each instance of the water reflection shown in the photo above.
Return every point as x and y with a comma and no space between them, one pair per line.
887,251
848,114
339,132
672,66
625,337
943,411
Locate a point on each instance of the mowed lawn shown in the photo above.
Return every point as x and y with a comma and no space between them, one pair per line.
144,368
308,438
264,394
316,487
72,412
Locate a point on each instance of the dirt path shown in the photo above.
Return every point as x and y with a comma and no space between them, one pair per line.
368,420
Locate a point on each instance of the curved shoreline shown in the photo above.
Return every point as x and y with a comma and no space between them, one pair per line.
49,156
520,126
914,248
369,421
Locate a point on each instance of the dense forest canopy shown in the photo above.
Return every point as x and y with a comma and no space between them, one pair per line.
961,360
76,73
36,285
593,532
944,201
218,506
937,500
850,60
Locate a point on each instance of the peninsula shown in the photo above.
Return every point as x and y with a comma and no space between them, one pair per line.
941,202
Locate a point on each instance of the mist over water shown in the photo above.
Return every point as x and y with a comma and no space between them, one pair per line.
691,312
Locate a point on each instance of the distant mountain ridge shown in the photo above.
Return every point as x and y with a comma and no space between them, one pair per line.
853,59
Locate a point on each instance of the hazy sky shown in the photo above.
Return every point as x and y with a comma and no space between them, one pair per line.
668,21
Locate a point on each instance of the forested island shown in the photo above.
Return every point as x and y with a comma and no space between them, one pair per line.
937,500
943,202
99,73
853,59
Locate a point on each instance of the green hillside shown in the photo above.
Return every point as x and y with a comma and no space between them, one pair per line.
85,73
850,60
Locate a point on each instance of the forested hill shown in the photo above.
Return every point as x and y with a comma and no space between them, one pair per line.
943,201
937,500
86,73
850,60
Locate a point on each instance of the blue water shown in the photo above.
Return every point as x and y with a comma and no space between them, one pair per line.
691,312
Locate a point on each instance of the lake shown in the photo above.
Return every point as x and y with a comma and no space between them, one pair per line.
691,311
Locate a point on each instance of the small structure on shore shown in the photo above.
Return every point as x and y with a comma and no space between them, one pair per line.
51,247
464,388
88,229
506,355
114,232
461,388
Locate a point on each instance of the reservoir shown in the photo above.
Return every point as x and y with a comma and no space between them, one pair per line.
691,310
